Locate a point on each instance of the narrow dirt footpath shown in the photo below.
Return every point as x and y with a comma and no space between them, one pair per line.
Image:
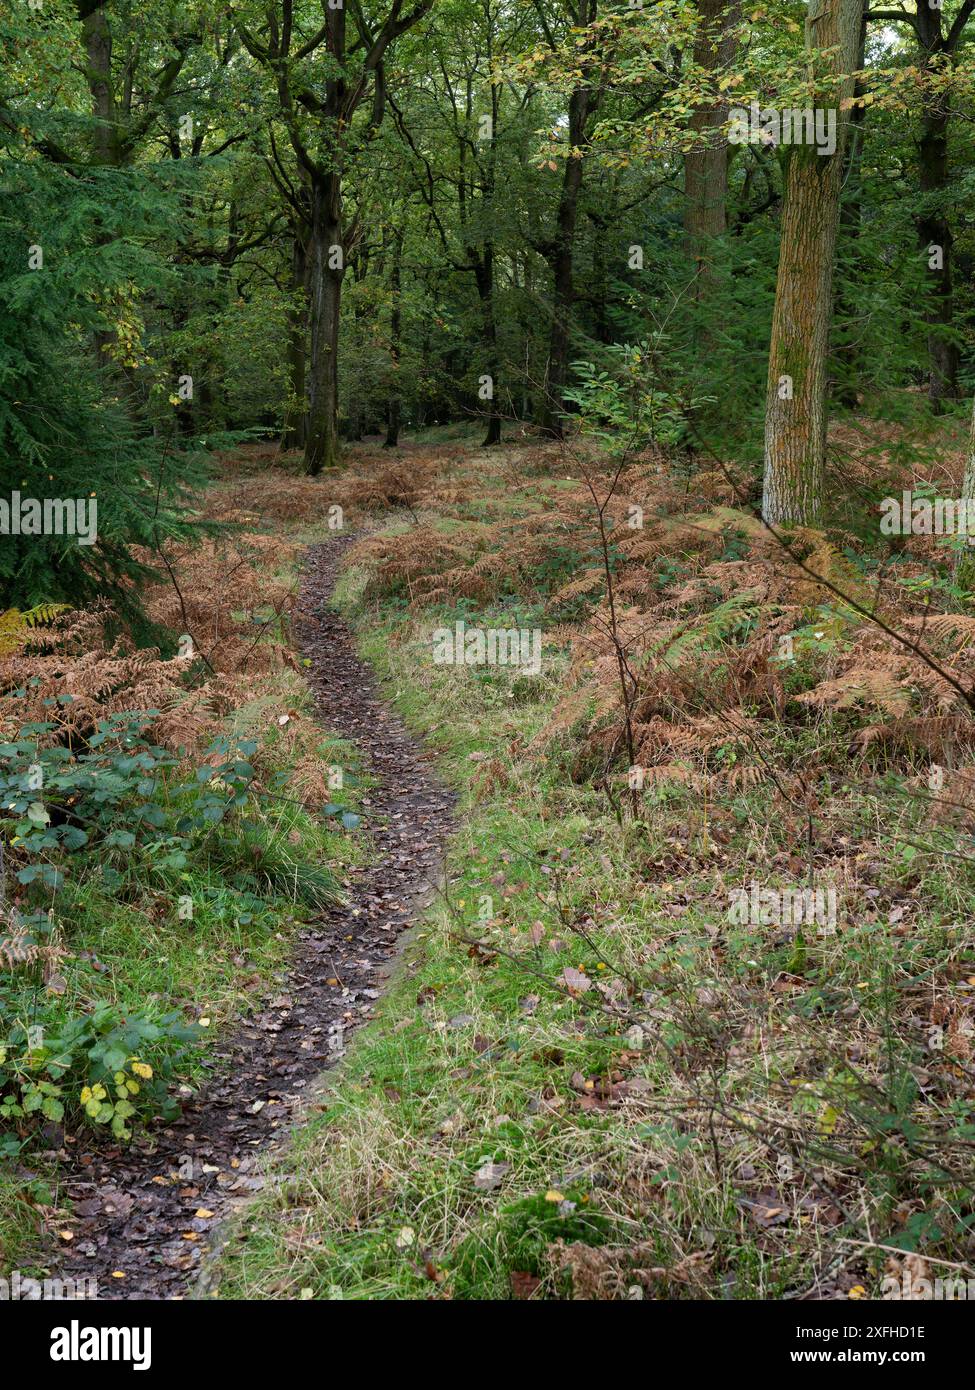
139,1234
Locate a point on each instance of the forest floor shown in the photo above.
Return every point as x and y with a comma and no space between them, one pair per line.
585,1077
141,1217
591,1080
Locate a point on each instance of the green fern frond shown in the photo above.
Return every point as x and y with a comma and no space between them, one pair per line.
15,622
713,628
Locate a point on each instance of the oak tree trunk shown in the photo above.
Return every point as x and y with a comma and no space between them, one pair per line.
795,413
325,271
706,162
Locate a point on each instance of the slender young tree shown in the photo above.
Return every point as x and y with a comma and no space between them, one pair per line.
459,182
393,409
293,431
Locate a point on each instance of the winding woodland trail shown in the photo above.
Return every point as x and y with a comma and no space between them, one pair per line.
135,1220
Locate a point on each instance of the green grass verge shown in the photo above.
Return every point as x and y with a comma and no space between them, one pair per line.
491,1136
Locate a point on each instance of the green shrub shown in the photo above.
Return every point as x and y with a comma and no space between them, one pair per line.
103,1068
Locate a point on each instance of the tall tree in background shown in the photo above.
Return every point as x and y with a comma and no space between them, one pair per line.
530,155
934,228
795,412
331,96
938,52
127,95
706,162
848,358
559,249
460,140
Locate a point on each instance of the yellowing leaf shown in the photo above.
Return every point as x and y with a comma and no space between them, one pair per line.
829,1120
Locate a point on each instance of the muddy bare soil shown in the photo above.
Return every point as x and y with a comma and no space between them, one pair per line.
139,1234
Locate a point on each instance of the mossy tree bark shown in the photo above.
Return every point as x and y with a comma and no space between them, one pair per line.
795,413
325,274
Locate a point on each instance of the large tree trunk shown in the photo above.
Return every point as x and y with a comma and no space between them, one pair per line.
706,162
293,432
98,50
932,224
325,271
795,414
560,260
